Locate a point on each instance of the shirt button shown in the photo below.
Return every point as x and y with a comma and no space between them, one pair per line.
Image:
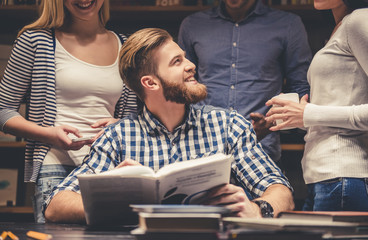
173,144
232,87
253,157
236,25
234,44
233,65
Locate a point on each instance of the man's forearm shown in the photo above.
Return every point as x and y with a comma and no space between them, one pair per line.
280,197
66,207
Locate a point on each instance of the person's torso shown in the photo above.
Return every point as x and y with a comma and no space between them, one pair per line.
336,79
244,61
85,93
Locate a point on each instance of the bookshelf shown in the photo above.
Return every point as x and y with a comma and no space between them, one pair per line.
129,18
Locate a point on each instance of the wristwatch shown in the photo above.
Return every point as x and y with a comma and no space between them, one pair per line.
266,208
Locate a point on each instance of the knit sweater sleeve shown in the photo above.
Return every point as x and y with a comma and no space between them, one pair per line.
353,117
348,117
17,78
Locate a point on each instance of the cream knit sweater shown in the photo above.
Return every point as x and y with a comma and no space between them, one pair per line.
337,117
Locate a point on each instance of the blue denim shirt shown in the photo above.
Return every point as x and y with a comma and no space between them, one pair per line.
243,64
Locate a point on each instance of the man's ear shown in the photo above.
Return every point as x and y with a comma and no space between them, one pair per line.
149,82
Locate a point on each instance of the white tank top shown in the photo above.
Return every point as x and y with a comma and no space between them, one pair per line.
85,93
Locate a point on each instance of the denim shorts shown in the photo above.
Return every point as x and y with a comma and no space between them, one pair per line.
49,177
339,194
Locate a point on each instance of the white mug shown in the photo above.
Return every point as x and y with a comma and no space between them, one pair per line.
294,97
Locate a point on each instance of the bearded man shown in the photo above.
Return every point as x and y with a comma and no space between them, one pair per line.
170,128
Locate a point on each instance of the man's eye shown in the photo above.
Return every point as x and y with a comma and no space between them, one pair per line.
177,61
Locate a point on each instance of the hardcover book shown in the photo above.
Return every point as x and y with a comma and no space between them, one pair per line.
107,196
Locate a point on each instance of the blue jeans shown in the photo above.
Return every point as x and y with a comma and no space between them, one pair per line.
339,194
49,177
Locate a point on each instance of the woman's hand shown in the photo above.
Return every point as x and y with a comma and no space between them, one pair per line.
289,112
58,136
103,123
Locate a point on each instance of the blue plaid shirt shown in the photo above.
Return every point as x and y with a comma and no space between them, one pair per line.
207,130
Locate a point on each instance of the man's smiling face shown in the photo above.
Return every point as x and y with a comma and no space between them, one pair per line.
176,74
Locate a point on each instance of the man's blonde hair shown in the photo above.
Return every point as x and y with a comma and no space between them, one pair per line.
53,14
136,58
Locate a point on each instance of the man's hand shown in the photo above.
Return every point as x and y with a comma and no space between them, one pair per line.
234,198
128,162
260,125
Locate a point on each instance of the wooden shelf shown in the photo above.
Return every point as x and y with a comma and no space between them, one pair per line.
5,144
23,209
128,19
292,147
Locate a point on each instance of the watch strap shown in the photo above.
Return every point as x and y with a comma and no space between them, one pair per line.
266,208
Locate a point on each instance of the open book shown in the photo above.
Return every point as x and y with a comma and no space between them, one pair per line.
106,196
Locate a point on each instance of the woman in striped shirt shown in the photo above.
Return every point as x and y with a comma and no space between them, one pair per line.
65,67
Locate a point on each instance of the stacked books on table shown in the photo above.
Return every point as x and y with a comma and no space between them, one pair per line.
179,221
330,225
212,223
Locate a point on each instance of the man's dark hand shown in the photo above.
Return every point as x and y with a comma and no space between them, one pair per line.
260,125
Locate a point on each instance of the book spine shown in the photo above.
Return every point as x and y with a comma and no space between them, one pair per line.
157,200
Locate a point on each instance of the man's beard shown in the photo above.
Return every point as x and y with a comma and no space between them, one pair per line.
180,93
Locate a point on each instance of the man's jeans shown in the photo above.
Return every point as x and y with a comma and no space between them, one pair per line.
49,177
339,194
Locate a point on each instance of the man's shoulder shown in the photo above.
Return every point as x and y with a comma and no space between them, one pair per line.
201,15
129,121
207,110
282,15
220,117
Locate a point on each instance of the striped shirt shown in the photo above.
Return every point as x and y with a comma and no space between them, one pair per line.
30,76
206,131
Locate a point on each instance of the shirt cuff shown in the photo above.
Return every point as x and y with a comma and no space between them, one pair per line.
5,115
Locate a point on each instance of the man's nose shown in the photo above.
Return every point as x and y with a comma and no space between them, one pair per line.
189,66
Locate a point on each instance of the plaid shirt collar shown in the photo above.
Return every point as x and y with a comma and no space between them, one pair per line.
154,126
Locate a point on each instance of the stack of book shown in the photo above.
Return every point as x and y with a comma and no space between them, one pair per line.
179,222
330,225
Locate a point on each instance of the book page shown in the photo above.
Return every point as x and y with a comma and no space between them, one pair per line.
130,171
107,197
187,182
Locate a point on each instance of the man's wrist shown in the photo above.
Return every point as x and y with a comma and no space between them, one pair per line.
265,208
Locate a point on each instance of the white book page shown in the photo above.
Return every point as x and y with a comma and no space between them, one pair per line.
109,197
187,182
183,166
130,171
